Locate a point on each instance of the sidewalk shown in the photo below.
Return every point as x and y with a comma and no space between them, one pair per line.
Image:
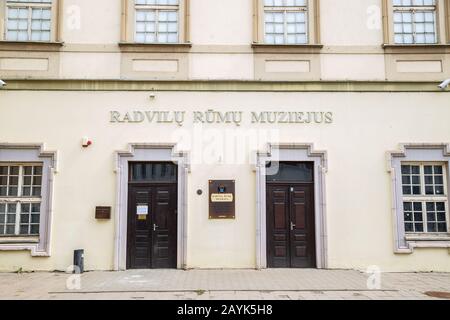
221,284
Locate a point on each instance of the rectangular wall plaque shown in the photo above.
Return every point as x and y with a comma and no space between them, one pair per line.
222,200
103,213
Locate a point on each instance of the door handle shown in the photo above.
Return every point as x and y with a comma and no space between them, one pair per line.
292,226
155,227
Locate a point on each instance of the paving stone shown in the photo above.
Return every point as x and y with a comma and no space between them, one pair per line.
280,284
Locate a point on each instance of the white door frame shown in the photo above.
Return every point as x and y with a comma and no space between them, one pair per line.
149,152
299,153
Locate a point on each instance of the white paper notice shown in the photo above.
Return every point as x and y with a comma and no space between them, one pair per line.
142,210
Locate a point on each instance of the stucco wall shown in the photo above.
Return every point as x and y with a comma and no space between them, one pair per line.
358,190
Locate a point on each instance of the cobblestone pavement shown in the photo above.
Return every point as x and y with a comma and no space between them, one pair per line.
274,284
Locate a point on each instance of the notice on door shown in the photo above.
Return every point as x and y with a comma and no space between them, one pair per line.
142,211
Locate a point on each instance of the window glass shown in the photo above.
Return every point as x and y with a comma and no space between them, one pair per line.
425,206
286,21
20,199
290,171
157,21
153,172
29,20
415,21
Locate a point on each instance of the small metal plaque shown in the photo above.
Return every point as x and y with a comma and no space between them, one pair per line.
222,200
103,213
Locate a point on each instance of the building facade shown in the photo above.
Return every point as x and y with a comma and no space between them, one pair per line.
225,134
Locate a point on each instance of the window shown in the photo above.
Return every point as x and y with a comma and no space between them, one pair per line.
26,186
20,199
163,22
29,20
415,21
157,21
420,181
424,198
286,21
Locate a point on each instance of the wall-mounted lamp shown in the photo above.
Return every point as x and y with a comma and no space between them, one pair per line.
2,84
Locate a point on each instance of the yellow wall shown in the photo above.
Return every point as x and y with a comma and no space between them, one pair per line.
366,126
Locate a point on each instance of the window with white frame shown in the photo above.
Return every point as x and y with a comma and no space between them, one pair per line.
20,199
415,21
425,199
157,21
286,21
28,20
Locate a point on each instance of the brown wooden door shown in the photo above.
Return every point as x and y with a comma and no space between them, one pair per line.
290,225
152,238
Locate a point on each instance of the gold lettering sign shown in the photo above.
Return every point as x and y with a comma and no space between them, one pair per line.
222,197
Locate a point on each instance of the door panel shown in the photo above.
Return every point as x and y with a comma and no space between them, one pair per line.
302,235
277,222
164,230
138,234
152,239
290,226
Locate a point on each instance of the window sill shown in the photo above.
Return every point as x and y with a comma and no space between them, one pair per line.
18,240
286,48
426,241
154,47
30,46
416,48
428,237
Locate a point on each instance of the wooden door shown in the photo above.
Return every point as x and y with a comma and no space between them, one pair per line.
152,237
302,235
164,233
290,225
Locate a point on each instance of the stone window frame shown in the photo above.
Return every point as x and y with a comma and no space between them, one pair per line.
292,152
313,26
33,153
56,25
408,153
442,25
143,152
128,26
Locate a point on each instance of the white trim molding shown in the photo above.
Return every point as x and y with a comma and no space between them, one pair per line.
414,152
20,152
292,152
149,152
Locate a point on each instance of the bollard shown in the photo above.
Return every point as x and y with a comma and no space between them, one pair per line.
78,261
